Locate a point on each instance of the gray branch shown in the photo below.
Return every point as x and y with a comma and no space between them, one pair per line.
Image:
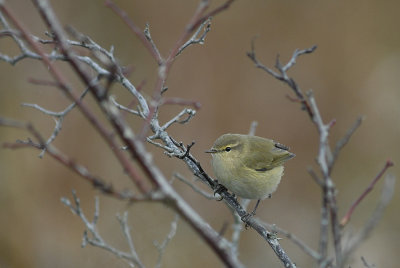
58,117
196,39
161,247
96,239
194,187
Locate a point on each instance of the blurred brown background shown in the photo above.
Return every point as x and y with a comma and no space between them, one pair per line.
354,71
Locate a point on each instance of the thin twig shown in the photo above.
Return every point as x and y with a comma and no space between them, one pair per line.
123,221
82,171
342,142
312,253
180,101
153,45
349,213
177,119
282,73
212,13
96,239
165,66
58,117
161,247
366,264
253,127
195,188
123,108
137,31
386,197
315,177
196,39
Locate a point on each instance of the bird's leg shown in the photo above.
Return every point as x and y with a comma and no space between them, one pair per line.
246,217
235,197
255,208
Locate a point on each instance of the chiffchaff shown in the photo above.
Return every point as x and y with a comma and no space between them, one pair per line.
249,166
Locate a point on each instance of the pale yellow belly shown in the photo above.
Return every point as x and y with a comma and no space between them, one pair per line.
256,185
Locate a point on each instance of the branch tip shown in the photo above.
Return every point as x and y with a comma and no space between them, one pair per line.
389,163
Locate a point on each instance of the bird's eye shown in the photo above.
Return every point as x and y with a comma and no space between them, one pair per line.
227,149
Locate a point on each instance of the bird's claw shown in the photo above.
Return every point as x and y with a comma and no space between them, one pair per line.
218,190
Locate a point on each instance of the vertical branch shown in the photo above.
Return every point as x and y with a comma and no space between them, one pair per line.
329,189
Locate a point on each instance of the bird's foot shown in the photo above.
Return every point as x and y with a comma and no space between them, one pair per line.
248,216
218,190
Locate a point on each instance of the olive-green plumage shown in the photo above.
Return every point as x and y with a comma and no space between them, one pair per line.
249,166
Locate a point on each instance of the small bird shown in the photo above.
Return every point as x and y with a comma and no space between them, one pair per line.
249,166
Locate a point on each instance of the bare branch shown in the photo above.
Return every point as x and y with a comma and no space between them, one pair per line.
253,128
329,189
96,181
194,187
137,31
292,61
349,213
97,90
136,147
123,221
211,13
238,227
162,247
123,108
315,177
58,117
196,39
325,158
366,264
341,143
179,101
282,75
125,133
177,119
168,150
153,45
386,197
97,240
312,253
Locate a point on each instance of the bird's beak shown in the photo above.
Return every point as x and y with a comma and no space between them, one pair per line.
211,151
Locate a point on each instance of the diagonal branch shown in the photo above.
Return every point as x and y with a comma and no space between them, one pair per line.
196,39
349,213
386,197
80,170
145,38
342,142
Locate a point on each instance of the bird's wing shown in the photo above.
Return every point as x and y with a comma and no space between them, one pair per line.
268,158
